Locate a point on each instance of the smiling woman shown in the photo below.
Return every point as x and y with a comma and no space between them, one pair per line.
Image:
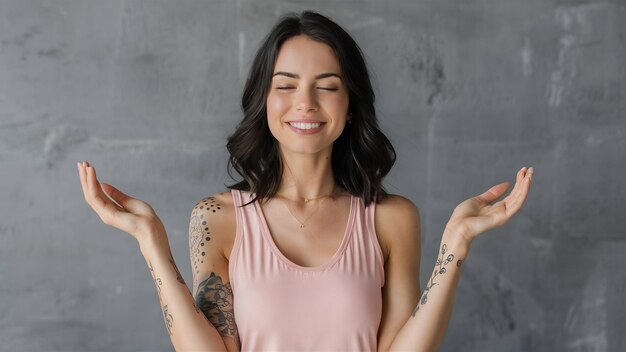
309,70
307,252
305,101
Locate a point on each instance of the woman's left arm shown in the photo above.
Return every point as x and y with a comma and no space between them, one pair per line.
425,328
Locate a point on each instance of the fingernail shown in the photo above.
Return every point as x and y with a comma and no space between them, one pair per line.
531,170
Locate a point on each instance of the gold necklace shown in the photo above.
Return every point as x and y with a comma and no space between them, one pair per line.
306,200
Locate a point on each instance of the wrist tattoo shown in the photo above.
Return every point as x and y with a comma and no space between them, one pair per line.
440,269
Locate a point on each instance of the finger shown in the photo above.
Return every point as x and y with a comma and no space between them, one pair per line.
101,203
95,188
92,181
82,173
85,182
518,201
519,178
109,212
81,177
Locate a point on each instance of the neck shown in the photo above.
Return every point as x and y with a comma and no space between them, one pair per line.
306,176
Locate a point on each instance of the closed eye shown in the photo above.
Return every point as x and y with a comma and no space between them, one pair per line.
323,88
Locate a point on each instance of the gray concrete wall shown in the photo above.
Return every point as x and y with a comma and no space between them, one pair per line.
467,91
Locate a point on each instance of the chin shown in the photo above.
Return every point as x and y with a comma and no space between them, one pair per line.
303,149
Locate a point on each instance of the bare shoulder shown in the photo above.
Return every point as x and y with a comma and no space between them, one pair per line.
395,203
396,216
216,213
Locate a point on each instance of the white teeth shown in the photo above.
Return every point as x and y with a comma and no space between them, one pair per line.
305,126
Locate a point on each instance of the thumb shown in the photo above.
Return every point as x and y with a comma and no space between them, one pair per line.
121,198
494,192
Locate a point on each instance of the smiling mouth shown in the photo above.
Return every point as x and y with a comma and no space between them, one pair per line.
305,125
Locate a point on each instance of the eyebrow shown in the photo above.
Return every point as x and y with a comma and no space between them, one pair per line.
320,76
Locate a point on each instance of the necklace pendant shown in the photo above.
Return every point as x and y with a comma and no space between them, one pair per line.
301,225
306,200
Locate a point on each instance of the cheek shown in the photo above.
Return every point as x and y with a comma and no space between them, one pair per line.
277,106
338,104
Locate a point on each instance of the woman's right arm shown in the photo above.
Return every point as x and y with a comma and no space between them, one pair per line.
187,326
212,229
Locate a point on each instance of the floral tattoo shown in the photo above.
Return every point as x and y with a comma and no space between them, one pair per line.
440,269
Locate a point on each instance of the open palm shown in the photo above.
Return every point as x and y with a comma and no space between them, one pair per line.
115,208
482,213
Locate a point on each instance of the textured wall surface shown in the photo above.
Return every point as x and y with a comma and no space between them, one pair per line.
468,92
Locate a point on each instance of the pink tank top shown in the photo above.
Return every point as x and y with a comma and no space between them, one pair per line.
282,306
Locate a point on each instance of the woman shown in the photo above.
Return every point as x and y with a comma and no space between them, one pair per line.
308,251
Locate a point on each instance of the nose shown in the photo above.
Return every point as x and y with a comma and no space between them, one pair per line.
306,100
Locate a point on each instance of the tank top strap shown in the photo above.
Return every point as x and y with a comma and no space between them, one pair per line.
370,231
239,197
246,222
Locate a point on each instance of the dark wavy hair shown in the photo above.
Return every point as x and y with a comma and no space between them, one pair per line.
361,156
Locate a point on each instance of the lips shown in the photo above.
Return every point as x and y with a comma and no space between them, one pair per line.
301,127
305,125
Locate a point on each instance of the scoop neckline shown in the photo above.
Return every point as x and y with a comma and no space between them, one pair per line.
333,259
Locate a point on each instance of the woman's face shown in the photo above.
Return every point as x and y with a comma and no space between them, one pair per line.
307,104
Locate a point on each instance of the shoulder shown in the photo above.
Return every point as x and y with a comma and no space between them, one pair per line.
394,211
216,199
216,214
216,208
397,221
396,205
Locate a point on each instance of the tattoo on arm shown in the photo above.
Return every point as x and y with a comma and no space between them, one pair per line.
169,320
199,234
440,269
179,277
215,299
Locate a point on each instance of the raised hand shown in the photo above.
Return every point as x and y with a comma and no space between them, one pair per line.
481,213
117,209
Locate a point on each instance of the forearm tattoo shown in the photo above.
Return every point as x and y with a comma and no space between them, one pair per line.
169,320
199,234
180,280
179,277
215,299
440,269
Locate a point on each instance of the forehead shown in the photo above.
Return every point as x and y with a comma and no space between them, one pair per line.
302,55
